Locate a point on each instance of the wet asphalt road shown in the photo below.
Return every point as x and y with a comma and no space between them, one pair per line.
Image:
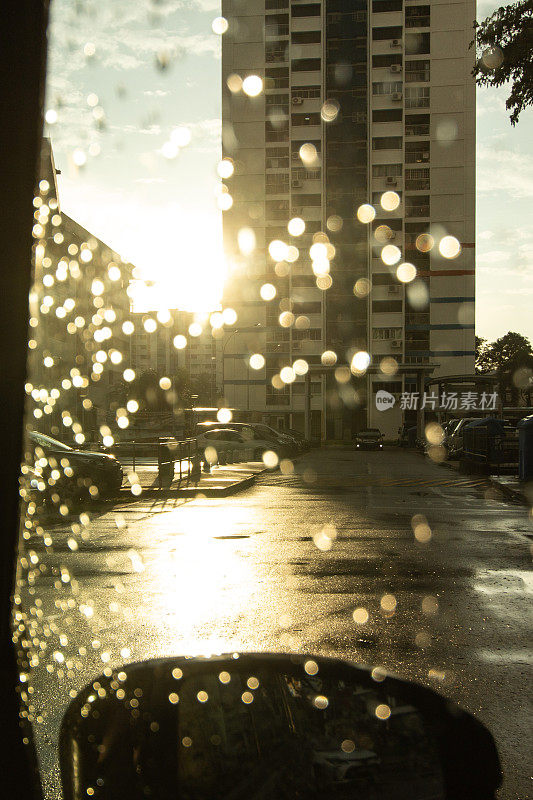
245,573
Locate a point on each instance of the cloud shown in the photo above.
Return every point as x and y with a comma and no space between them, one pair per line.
156,93
150,180
502,171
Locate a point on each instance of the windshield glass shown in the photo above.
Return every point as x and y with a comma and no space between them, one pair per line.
280,215
47,441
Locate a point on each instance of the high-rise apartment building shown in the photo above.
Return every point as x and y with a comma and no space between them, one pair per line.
359,98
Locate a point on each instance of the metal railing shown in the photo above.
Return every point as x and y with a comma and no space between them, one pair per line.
493,450
169,454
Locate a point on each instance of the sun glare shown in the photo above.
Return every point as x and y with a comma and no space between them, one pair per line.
187,271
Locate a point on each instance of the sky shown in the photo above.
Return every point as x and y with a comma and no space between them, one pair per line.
154,67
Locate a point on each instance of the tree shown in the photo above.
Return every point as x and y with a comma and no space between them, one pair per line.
511,357
482,363
504,43
181,384
148,393
203,386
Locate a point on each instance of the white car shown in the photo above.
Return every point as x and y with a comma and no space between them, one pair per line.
226,440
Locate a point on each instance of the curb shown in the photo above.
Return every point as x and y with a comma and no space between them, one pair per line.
507,491
190,491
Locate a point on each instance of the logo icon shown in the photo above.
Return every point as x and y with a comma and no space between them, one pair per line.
384,400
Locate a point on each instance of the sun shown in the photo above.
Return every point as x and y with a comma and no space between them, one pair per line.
184,268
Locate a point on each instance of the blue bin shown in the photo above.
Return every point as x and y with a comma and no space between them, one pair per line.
525,448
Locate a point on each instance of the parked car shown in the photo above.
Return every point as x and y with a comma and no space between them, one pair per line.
306,444
78,470
254,429
454,440
370,439
225,440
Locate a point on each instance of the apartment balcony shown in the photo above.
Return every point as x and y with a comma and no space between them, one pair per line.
417,130
418,185
276,31
276,5
418,22
417,211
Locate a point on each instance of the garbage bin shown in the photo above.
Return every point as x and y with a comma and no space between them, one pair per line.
525,449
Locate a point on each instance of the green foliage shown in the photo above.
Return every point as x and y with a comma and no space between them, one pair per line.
504,47
511,358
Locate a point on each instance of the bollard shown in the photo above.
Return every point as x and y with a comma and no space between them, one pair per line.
196,469
525,444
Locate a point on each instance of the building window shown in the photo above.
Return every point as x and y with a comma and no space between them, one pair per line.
417,97
305,119
275,52
277,78
279,133
306,37
311,334
394,387
387,60
417,206
416,179
379,6
306,65
417,71
387,143
306,92
277,25
417,125
387,115
387,306
273,5
394,32
309,10
277,183
386,333
308,199
417,44
277,209
386,170
303,174
277,100
307,308
387,87
277,163
417,17
417,152
302,280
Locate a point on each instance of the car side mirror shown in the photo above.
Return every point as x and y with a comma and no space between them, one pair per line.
270,726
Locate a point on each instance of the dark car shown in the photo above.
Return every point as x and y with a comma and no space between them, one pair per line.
370,439
75,473
304,444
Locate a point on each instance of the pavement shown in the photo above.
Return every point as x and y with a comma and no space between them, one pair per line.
508,485
220,481
440,563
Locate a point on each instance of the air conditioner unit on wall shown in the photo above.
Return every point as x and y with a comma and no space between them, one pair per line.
296,184
397,96
297,101
390,180
298,211
394,289
296,345
396,43
396,344
396,68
